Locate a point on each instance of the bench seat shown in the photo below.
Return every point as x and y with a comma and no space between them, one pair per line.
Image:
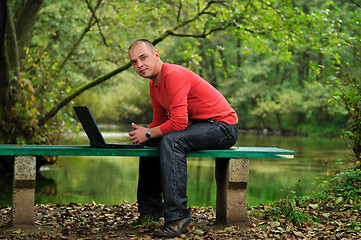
232,174
80,150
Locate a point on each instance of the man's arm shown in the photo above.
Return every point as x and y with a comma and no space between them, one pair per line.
178,86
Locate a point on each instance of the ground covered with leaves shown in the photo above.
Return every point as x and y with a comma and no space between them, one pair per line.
333,214
314,220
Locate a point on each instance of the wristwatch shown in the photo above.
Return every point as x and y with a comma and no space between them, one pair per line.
147,134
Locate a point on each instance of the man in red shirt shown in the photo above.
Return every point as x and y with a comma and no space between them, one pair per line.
188,114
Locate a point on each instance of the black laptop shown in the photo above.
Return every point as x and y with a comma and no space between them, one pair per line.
92,131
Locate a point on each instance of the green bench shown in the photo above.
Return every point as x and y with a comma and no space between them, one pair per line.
232,172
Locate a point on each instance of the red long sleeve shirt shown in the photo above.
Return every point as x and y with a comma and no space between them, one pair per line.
183,97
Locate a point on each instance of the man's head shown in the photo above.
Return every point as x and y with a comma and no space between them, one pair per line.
141,41
145,59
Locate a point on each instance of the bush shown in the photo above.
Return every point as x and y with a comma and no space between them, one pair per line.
345,186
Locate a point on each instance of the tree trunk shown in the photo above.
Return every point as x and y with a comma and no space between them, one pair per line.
239,58
3,17
303,69
11,45
224,61
4,65
24,21
212,77
14,37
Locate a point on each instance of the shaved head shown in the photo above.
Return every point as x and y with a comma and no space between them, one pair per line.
145,41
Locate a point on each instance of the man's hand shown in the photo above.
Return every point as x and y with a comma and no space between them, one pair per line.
137,135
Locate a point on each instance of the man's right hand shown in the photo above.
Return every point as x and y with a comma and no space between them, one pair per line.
137,135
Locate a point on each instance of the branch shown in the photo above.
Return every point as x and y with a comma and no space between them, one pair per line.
285,23
97,21
171,31
209,32
80,90
357,4
179,10
77,42
202,35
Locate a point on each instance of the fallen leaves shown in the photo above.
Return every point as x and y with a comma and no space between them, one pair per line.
343,222
97,221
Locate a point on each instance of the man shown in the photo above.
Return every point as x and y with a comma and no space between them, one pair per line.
188,114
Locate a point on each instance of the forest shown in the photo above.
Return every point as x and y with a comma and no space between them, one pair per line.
285,66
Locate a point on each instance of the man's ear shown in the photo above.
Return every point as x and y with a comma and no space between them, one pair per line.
156,53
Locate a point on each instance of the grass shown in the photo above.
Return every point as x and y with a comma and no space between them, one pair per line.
340,189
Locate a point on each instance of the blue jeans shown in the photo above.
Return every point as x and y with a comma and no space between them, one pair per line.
166,176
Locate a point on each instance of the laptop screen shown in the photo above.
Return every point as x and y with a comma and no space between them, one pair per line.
89,125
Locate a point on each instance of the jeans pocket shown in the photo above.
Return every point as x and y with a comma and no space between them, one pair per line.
230,134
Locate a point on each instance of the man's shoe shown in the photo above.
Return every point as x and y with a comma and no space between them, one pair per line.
173,229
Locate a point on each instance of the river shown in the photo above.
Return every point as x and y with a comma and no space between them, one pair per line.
113,180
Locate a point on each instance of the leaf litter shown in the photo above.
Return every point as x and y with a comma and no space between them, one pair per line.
97,221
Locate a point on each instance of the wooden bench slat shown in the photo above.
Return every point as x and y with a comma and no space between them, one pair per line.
80,150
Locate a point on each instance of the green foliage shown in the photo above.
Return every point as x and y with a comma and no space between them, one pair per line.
127,101
34,93
282,107
267,57
287,208
349,95
345,78
343,187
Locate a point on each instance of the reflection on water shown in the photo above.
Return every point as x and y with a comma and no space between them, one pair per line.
111,180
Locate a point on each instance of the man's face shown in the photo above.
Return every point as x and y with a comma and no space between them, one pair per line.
144,62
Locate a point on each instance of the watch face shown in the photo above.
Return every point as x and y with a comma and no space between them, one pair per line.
147,134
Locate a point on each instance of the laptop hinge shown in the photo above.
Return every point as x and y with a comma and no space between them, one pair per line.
96,144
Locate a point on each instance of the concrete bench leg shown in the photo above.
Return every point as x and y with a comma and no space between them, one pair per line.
232,179
23,190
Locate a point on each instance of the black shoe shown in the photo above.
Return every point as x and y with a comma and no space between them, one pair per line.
147,218
173,229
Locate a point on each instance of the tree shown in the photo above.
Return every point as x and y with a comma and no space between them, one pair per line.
345,77
46,52
18,32
23,117
2,24
253,51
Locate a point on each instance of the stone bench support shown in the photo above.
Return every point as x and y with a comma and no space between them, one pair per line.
23,190
232,178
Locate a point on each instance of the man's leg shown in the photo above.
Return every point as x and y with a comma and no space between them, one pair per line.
149,188
173,150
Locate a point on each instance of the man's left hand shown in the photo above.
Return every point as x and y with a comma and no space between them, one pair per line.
137,135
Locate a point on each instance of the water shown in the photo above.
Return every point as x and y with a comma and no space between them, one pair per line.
111,180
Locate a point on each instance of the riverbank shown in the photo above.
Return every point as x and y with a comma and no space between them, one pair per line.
323,220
